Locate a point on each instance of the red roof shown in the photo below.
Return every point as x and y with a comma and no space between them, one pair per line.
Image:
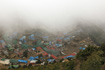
38,48
59,40
47,47
53,56
44,53
51,48
73,54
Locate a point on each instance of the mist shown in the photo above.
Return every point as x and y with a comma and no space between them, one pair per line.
51,15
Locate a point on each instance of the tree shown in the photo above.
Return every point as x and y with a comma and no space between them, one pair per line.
56,67
25,53
70,65
102,47
82,55
93,62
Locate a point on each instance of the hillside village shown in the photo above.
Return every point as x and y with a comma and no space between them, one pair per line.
40,47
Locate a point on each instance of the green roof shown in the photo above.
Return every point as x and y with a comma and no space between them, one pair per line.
3,59
13,61
15,66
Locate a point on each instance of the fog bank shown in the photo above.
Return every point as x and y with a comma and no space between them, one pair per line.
51,15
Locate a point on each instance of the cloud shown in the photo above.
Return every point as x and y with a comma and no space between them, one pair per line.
50,14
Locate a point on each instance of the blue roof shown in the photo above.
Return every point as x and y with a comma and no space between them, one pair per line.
49,42
33,49
81,48
58,45
67,38
45,36
33,58
36,57
69,56
22,38
50,60
23,61
32,37
1,41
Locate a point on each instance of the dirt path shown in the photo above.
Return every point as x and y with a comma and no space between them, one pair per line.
78,65
2,67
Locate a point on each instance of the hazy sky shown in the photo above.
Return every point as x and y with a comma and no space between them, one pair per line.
55,14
